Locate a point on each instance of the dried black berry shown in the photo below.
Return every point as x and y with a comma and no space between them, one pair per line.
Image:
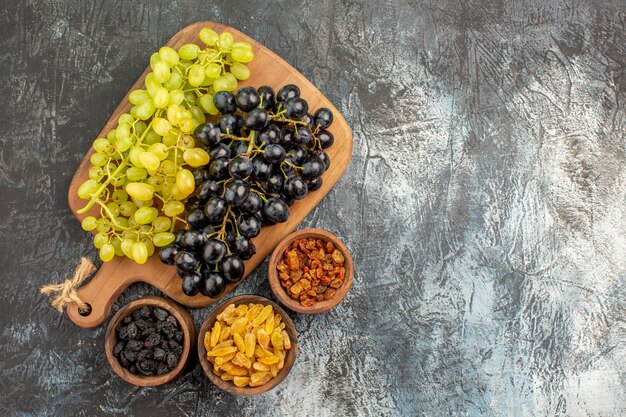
124,360
160,314
144,312
162,369
133,369
144,354
172,320
178,336
142,325
119,346
131,355
134,345
159,354
152,341
171,360
131,331
127,320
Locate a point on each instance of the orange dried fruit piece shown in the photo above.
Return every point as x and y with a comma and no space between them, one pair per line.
261,367
239,325
215,334
222,351
239,342
277,339
264,314
269,324
286,340
226,377
222,360
250,344
241,381
269,360
259,378
254,311
237,371
261,352
263,338
292,260
338,257
242,360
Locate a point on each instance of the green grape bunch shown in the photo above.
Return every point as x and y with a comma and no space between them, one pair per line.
140,173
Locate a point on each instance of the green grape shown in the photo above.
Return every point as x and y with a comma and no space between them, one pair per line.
139,252
173,208
187,142
188,51
146,110
133,156
98,159
185,181
137,97
175,113
149,161
159,149
140,191
121,222
149,247
117,181
169,56
107,252
143,215
127,247
197,114
221,84
213,70
226,41
111,136
89,223
151,137
136,173
122,131
161,97
240,71
163,239
208,82
232,81
102,146
117,245
154,58
140,127
161,224
126,118
155,182
208,36
114,208
145,228
168,183
128,208
161,72
161,126
187,125
196,75
190,98
241,54
176,97
87,188
175,81
167,168
124,144
96,173
99,240
155,213
170,140
103,225
119,196
133,111
195,157
151,84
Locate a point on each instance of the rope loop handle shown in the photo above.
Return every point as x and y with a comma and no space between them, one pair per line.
65,292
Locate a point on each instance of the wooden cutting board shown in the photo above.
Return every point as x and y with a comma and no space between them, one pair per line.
113,277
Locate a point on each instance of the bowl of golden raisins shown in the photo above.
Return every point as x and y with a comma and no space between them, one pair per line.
247,345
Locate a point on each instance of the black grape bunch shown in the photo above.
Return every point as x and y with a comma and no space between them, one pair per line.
267,151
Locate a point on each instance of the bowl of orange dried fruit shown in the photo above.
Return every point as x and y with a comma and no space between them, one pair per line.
247,345
310,271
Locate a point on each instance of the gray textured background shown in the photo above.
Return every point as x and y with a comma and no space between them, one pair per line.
484,204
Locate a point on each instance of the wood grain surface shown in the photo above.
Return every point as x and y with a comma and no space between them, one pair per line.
115,276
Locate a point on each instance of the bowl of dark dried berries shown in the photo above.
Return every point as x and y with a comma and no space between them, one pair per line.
149,341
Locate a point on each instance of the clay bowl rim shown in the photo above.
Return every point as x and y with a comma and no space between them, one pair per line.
228,386
186,325
281,293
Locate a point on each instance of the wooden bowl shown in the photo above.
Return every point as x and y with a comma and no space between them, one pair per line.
189,341
281,293
228,386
